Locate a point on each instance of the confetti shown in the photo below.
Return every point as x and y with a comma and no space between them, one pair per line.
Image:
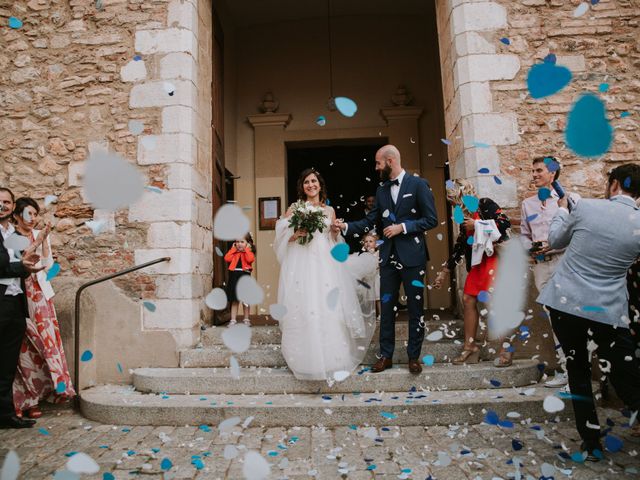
86,356
216,299
255,466
588,131
340,252
17,242
230,223
10,467
61,387
547,78
341,375
149,306
470,240
82,463
428,360
332,298
119,367
108,476
483,296
248,291
624,114
417,283
110,182
531,218
346,106
388,415
321,121
234,367
516,444
445,141
497,180
230,452
484,170
551,58
15,22
552,404
626,183
96,226
593,308
495,383
227,425
277,311
481,145
169,88
237,338
153,189
166,464
603,87
552,165
505,40
386,297
613,444
458,215
581,10
49,199
544,193
435,336
65,475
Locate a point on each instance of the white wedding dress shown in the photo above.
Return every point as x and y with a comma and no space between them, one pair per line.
330,315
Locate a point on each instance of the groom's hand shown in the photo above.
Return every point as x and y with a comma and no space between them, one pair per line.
393,230
338,225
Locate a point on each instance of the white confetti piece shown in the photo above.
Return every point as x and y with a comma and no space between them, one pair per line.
230,223
248,291
216,299
136,127
234,367
341,375
255,466
444,460
439,236
332,298
277,311
513,415
581,10
110,182
509,291
227,425
230,452
96,226
10,467
237,338
547,470
82,463
169,88
435,336
385,214
16,242
65,475
49,199
552,404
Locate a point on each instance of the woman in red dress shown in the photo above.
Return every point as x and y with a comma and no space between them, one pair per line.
42,367
481,276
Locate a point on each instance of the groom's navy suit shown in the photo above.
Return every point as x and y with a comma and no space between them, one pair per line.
403,258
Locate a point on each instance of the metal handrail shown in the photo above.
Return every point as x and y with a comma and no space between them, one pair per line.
76,373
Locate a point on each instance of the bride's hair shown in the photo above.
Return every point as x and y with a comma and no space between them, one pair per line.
323,186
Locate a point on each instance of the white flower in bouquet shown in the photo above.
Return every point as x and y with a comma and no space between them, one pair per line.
307,217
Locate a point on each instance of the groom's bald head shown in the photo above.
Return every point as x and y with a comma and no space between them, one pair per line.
388,163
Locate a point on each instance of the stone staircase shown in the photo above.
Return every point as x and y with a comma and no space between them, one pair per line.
202,390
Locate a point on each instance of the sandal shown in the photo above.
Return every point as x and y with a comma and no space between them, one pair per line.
34,412
504,359
232,322
467,356
247,322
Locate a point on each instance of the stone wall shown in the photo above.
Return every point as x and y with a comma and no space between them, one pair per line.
73,77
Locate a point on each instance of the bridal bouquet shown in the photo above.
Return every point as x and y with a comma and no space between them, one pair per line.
307,217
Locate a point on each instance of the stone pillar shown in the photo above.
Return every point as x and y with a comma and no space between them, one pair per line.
179,218
469,62
404,133
271,181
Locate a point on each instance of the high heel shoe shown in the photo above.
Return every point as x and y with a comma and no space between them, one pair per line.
467,356
504,359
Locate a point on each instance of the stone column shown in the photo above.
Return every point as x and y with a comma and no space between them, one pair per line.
403,132
271,181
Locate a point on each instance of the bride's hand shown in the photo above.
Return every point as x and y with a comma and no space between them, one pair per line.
297,234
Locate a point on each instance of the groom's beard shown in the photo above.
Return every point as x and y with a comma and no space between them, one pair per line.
385,173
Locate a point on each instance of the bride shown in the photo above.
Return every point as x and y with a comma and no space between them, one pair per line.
330,308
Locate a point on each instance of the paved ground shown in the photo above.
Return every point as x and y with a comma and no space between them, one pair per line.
357,452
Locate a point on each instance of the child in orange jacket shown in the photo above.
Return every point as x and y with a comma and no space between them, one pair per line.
240,259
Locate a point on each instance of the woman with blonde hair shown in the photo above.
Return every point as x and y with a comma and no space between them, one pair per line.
481,272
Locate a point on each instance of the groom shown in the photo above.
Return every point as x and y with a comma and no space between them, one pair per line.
404,209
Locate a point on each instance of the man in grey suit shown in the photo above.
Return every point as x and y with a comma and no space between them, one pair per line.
587,295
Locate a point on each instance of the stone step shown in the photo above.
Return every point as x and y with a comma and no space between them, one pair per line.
253,380
270,334
121,405
270,355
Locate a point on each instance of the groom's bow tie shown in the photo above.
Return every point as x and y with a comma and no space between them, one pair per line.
394,182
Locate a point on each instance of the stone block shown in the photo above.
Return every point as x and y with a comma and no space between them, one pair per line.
166,41
476,158
575,63
155,94
482,68
179,119
184,176
180,286
178,65
107,217
490,128
182,260
475,97
134,71
183,14
172,313
170,205
480,16
505,195
169,235
75,173
469,43
168,148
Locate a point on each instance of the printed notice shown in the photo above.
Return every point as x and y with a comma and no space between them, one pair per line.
270,209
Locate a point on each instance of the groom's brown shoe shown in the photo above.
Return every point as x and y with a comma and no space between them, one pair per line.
414,366
381,365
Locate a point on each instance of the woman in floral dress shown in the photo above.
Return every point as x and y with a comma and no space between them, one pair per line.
42,367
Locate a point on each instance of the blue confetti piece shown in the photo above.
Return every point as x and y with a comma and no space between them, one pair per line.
624,114
505,40
126,430
593,308
406,470
578,457
70,454
205,428
497,180
196,462
86,356
388,415
119,367
43,431
379,242
484,296
484,170
613,444
108,476
531,218
551,164
551,58
627,183
386,297
53,271
149,306
450,184
321,121
445,141
340,252
470,240
131,453
417,283
273,453
603,87
15,22
372,466
346,106
166,464
137,58
505,424
588,131
495,383
547,78
595,2
481,145
328,202
61,387
458,215
153,189
471,202
491,418
516,444
428,360
544,193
